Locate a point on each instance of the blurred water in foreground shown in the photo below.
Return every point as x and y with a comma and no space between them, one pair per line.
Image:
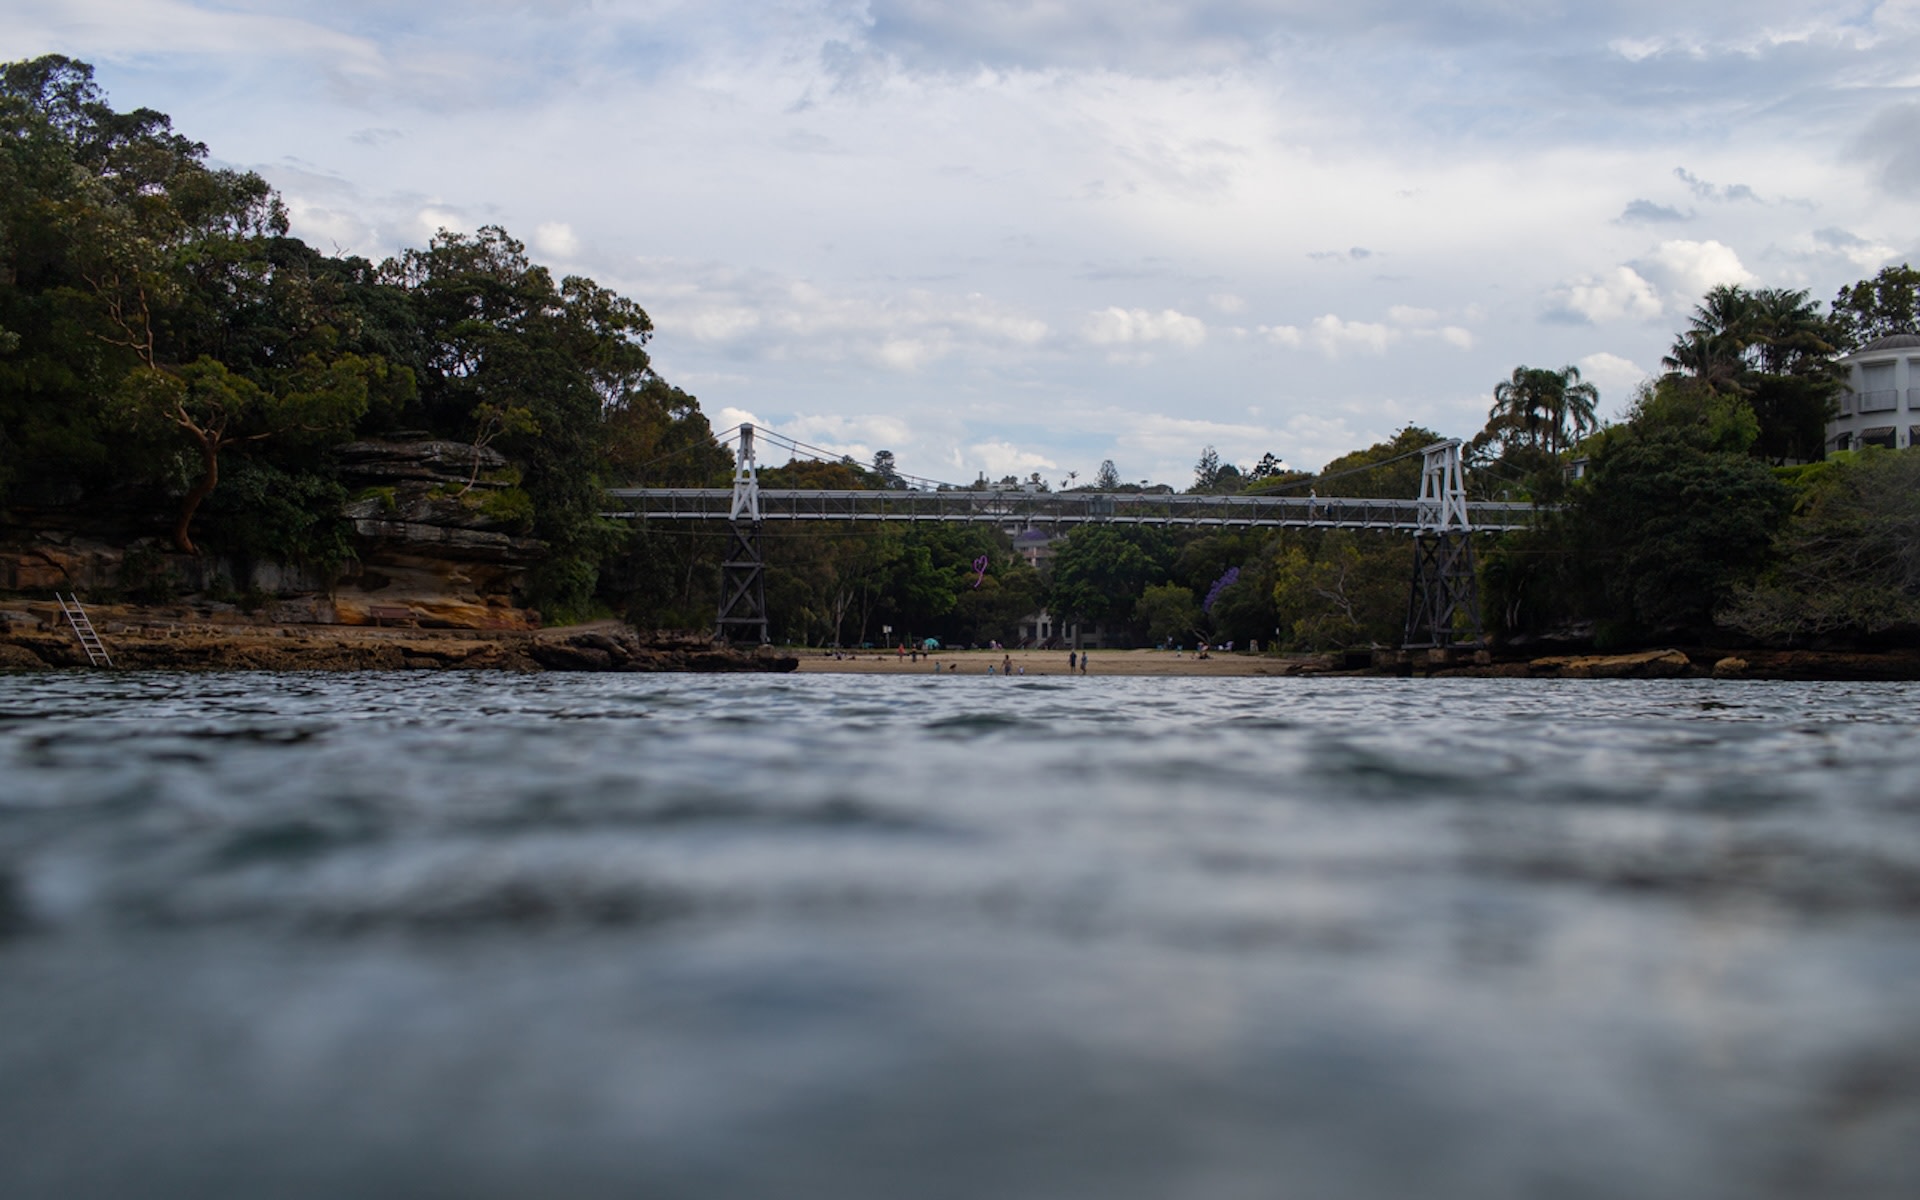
564,935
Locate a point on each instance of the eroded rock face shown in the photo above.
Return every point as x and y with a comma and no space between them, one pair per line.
49,560
418,460
438,534
439,531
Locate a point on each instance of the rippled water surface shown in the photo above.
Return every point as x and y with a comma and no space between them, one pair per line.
670,936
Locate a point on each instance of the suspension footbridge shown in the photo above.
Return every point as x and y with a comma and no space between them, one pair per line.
1442,608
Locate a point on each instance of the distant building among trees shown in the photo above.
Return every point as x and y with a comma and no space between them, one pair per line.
1880,404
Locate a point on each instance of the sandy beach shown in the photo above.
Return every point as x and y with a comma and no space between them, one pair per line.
1054,662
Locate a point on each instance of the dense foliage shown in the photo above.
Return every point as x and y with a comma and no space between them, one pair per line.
170,355
165,345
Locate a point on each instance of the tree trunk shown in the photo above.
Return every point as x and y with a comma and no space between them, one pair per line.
209,477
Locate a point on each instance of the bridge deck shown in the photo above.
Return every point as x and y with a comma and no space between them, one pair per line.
1052,508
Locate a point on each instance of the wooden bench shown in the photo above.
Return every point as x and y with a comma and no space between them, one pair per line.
398,614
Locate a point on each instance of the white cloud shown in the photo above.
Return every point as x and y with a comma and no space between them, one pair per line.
1686,270
434,218
1425,323
1137,326
726,417
713,322
831,431
1620,294
829,435
557,239
1865,255
1000,459
910,354
1312,439
764,315
1163,448
111,29
1616,377
1335,336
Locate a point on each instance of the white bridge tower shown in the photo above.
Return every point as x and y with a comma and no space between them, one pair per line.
1444,607
743,577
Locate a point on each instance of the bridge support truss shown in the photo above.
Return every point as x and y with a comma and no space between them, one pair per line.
743,576
1443,608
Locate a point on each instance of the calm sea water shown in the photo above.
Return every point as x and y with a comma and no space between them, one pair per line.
477,936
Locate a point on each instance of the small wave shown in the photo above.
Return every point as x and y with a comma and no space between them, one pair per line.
976,724
1363,772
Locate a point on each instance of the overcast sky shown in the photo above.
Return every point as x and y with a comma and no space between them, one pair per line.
1020,235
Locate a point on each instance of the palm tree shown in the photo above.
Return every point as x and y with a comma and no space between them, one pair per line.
1727,309
1716,360
1543,407
1713,347
1791,333
1776,331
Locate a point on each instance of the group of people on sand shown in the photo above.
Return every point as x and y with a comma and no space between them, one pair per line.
1076,661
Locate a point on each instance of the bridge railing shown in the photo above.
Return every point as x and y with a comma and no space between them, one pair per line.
1051,509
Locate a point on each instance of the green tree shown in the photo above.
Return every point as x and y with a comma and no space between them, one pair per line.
1108,477
1773,348
1549,410
1675,513
101,215
1206,472
993,611
656,436
1169,612
1336,588
499,334
1100,572
155,292
1849,559
1384,470
214,409
1888,303
810,474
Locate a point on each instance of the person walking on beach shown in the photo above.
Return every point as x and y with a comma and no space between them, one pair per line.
1073,660
1084,656
1006,664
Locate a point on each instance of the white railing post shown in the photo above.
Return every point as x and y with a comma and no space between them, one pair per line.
746,479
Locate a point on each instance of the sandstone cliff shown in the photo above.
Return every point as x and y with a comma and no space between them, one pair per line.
439,539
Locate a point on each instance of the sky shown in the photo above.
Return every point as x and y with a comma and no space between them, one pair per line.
1019,236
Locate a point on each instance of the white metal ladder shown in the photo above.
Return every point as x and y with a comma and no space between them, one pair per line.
83,628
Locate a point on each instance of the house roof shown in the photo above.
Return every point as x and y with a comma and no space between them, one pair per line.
1893,341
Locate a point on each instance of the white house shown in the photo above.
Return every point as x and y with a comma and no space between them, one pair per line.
1880,405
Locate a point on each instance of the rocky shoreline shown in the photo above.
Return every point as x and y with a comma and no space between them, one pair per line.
1901,665
34,636
151,642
